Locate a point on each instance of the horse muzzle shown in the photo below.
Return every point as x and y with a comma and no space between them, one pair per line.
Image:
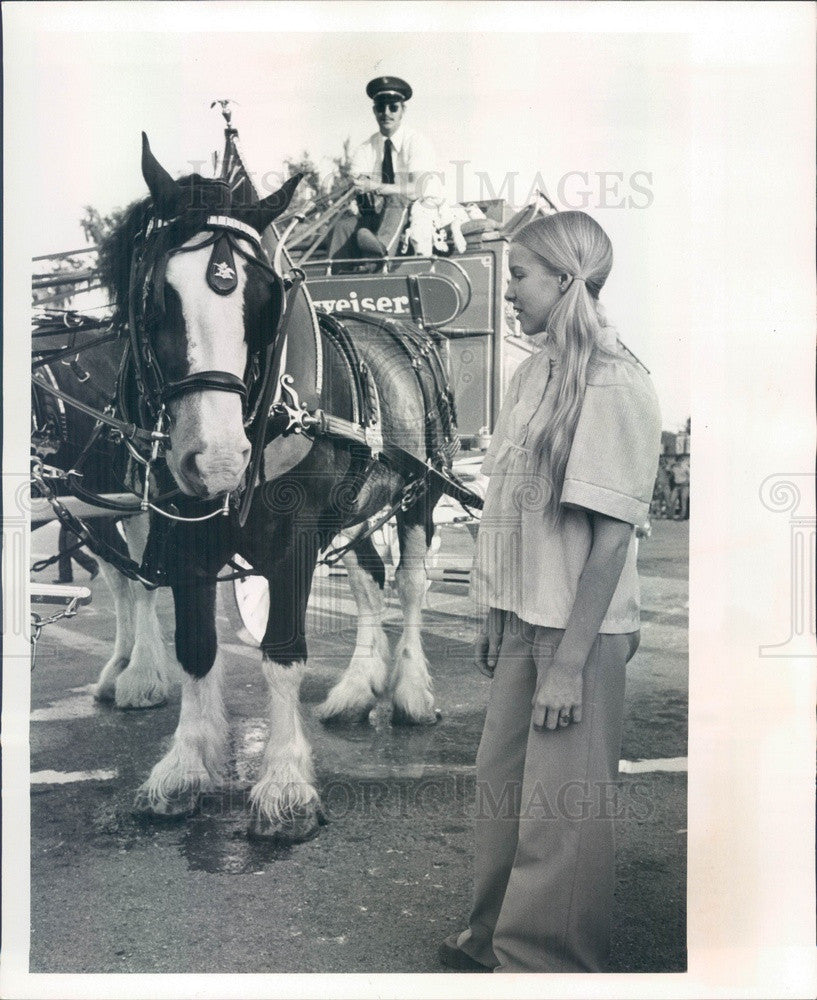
206,474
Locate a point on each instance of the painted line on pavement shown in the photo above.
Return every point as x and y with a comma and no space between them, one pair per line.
672,765
667,764
69,777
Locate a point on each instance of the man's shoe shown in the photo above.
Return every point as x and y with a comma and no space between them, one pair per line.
369,244
453,957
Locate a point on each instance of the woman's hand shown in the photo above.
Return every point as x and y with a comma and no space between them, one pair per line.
558,698
489,641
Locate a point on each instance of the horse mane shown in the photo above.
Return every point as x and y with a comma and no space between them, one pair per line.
114,256
116,249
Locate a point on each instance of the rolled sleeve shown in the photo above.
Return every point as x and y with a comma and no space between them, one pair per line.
614,456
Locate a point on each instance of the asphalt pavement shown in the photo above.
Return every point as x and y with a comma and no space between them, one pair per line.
389,876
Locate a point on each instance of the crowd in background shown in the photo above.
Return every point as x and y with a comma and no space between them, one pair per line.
670,498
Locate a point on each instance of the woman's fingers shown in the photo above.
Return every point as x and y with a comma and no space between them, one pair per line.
489,642
486,650
550,717
481,654
552,720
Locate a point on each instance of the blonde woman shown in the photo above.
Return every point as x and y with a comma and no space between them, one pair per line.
572,465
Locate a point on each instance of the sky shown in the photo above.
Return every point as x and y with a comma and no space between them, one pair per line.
601,121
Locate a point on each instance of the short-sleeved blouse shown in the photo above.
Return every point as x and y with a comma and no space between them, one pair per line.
530,563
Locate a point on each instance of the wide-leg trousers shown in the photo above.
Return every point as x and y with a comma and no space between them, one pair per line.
384,215
545,808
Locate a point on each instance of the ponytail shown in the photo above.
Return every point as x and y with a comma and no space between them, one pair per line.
569,243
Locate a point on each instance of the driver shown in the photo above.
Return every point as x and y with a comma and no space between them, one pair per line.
394,167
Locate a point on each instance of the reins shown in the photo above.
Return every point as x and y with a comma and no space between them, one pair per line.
265,381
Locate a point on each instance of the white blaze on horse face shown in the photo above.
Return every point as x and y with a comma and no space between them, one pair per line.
209,449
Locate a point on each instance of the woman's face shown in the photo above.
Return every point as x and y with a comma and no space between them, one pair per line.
533,289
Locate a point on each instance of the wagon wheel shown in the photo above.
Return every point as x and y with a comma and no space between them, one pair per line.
252,603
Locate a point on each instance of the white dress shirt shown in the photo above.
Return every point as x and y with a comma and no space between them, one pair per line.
412,157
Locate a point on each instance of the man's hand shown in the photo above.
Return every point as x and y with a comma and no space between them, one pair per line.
558,698
489,641
366,185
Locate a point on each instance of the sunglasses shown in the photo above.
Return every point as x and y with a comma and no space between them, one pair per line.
392,106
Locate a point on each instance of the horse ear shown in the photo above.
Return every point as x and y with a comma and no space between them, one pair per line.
164,191
269,208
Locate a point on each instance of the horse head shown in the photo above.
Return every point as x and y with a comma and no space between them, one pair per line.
203,301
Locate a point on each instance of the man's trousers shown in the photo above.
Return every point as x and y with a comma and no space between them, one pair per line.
383,215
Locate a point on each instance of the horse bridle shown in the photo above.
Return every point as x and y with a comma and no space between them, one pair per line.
155,390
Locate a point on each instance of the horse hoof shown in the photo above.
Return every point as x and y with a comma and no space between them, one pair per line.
300,825
105,696
142,705
177,806
400,717
350,717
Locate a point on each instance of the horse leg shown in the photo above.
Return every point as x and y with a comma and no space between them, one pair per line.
355,694
284,804
197,758
412,689
141,671
123,601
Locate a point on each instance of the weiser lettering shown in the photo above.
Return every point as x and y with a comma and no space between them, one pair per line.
394,304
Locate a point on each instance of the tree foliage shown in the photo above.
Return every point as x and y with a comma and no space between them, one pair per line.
97,226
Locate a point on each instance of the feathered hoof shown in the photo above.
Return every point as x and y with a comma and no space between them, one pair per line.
344,717
170,807
400,717
105,695
142,704
300,825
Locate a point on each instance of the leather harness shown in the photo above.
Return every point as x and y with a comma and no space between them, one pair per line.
266,390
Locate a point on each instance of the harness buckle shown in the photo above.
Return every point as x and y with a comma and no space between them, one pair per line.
157,437
298,417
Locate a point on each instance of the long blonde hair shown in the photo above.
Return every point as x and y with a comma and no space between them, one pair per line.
573,244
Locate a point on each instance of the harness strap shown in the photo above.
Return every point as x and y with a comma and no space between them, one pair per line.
45,356
366,400
127,566
444,397
338,336
409,495
318,422
423,356
275,353
220,380
130,431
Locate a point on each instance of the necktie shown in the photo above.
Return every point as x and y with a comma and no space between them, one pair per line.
387,171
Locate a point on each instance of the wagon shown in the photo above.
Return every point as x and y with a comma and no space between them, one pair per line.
455,295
